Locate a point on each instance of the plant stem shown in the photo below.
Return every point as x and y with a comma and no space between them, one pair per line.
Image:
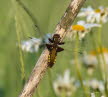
32,17
97,56
51,82
18,30
78,66
104,61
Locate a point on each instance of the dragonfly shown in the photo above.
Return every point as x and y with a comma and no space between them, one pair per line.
52,44
54,48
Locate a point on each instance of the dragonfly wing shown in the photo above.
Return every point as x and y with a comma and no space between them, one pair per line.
59,49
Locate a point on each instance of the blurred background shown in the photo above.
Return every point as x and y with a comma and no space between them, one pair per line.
45,14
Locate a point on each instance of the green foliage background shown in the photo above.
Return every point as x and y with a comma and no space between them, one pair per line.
47,13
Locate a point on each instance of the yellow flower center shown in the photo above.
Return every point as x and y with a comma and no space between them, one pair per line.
97,10
99,51
78,27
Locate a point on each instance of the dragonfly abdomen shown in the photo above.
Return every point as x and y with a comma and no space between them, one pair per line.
52,57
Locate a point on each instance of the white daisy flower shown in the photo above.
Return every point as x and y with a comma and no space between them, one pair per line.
92,94
90,65
96,85
85,11
81,29
99,15
64,84
91,61
31,45
102,96
88,25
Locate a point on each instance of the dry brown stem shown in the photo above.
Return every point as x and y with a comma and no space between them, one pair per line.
41,66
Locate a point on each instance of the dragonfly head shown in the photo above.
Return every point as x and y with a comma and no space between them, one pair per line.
56,38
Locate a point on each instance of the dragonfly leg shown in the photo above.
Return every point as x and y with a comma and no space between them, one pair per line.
61,43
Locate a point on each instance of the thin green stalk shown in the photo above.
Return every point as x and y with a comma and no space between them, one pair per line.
38,93
97,56
78,68
104,61
18,30
51,82
102,53
103,72
63,94
32,17
20,51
